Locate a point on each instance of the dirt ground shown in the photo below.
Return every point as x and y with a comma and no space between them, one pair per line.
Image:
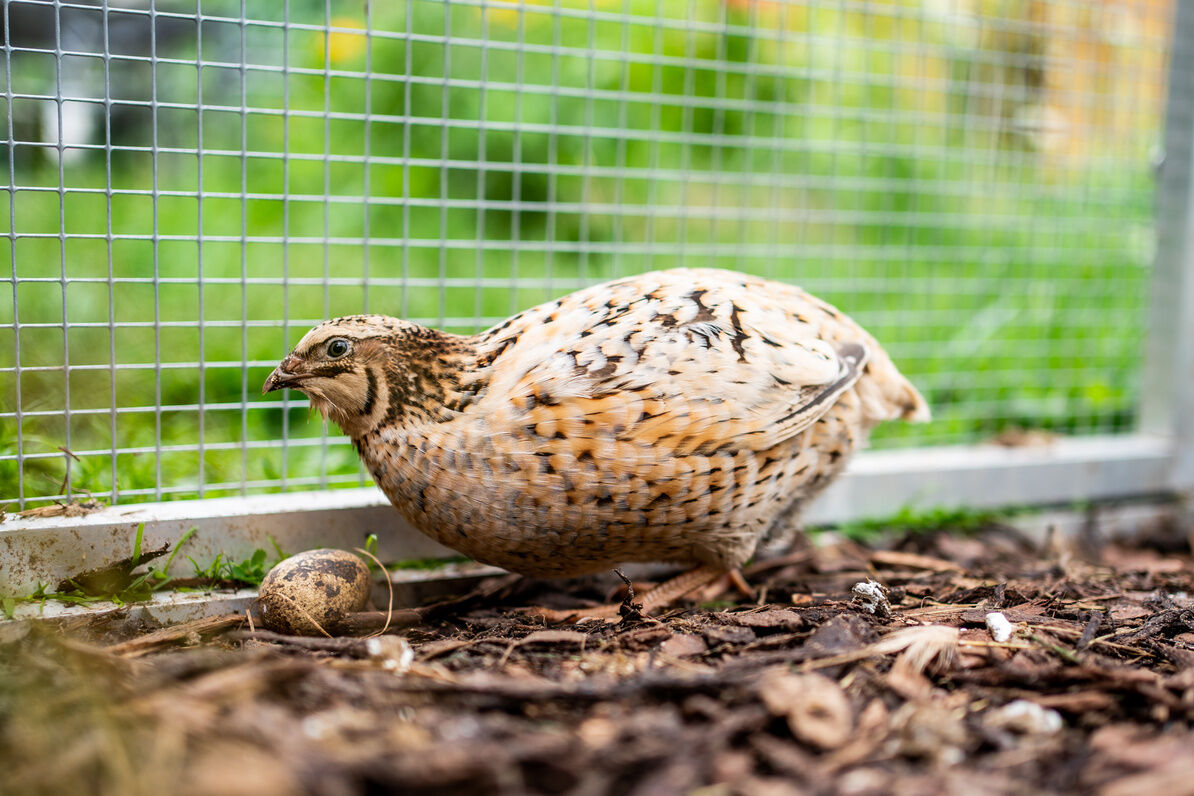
800,690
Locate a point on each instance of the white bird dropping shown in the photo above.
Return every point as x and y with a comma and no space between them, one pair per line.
1001,629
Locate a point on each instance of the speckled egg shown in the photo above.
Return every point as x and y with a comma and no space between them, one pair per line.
316,586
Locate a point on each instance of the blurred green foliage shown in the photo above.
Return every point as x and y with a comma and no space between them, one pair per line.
877,156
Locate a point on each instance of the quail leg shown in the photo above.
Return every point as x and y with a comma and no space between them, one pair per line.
729,581
662,595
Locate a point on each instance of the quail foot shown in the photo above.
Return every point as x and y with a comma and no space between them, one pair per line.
675,416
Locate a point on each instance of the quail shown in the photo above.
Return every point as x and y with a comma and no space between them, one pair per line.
676,416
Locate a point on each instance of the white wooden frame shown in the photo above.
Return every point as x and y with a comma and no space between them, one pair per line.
1158,460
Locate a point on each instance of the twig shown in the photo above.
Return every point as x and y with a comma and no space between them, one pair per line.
168,635
1092,627
914,561
501,664
936,608
1056,649
389,585
629,609
368,622
1006,645
1099,598
350,645
791,559
66,478
1101,640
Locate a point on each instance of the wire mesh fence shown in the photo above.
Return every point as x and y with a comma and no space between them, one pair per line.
191,186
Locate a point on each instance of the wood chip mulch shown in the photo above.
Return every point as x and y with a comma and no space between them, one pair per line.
810,687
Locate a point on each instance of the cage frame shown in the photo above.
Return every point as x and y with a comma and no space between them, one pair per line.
1157,460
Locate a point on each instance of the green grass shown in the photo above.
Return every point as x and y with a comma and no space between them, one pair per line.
1008,283
922,521
423,564
246,572
120,583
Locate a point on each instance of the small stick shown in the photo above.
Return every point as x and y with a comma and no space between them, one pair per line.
389,585
1101,640
629,609
1056,649
1007,645
506,655
362,622
167,635
354,646
1092,627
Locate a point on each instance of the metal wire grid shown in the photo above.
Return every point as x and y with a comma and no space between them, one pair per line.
191,187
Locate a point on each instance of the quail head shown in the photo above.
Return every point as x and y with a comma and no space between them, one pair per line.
676,416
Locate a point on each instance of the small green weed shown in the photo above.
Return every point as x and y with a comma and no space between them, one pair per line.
909,520
424,563
119,585
9,603
249,571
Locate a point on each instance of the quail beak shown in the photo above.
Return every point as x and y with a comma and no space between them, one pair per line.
284,376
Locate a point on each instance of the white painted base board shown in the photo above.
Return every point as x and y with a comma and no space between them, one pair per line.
877,484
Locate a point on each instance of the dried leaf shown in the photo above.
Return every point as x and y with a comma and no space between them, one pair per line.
684,645
774,618
727,634
817,710
1136,560
566,637
843,633
1172,780
644,637
433,649
76,509
1077,702
978,616
895,558
869,732
928,730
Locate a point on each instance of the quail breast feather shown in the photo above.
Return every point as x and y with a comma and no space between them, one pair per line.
677,415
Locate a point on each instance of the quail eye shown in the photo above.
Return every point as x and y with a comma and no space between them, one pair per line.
337,348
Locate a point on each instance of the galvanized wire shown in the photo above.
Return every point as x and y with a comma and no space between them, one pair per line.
192,185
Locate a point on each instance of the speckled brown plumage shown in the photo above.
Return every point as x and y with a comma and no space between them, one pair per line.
672,416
